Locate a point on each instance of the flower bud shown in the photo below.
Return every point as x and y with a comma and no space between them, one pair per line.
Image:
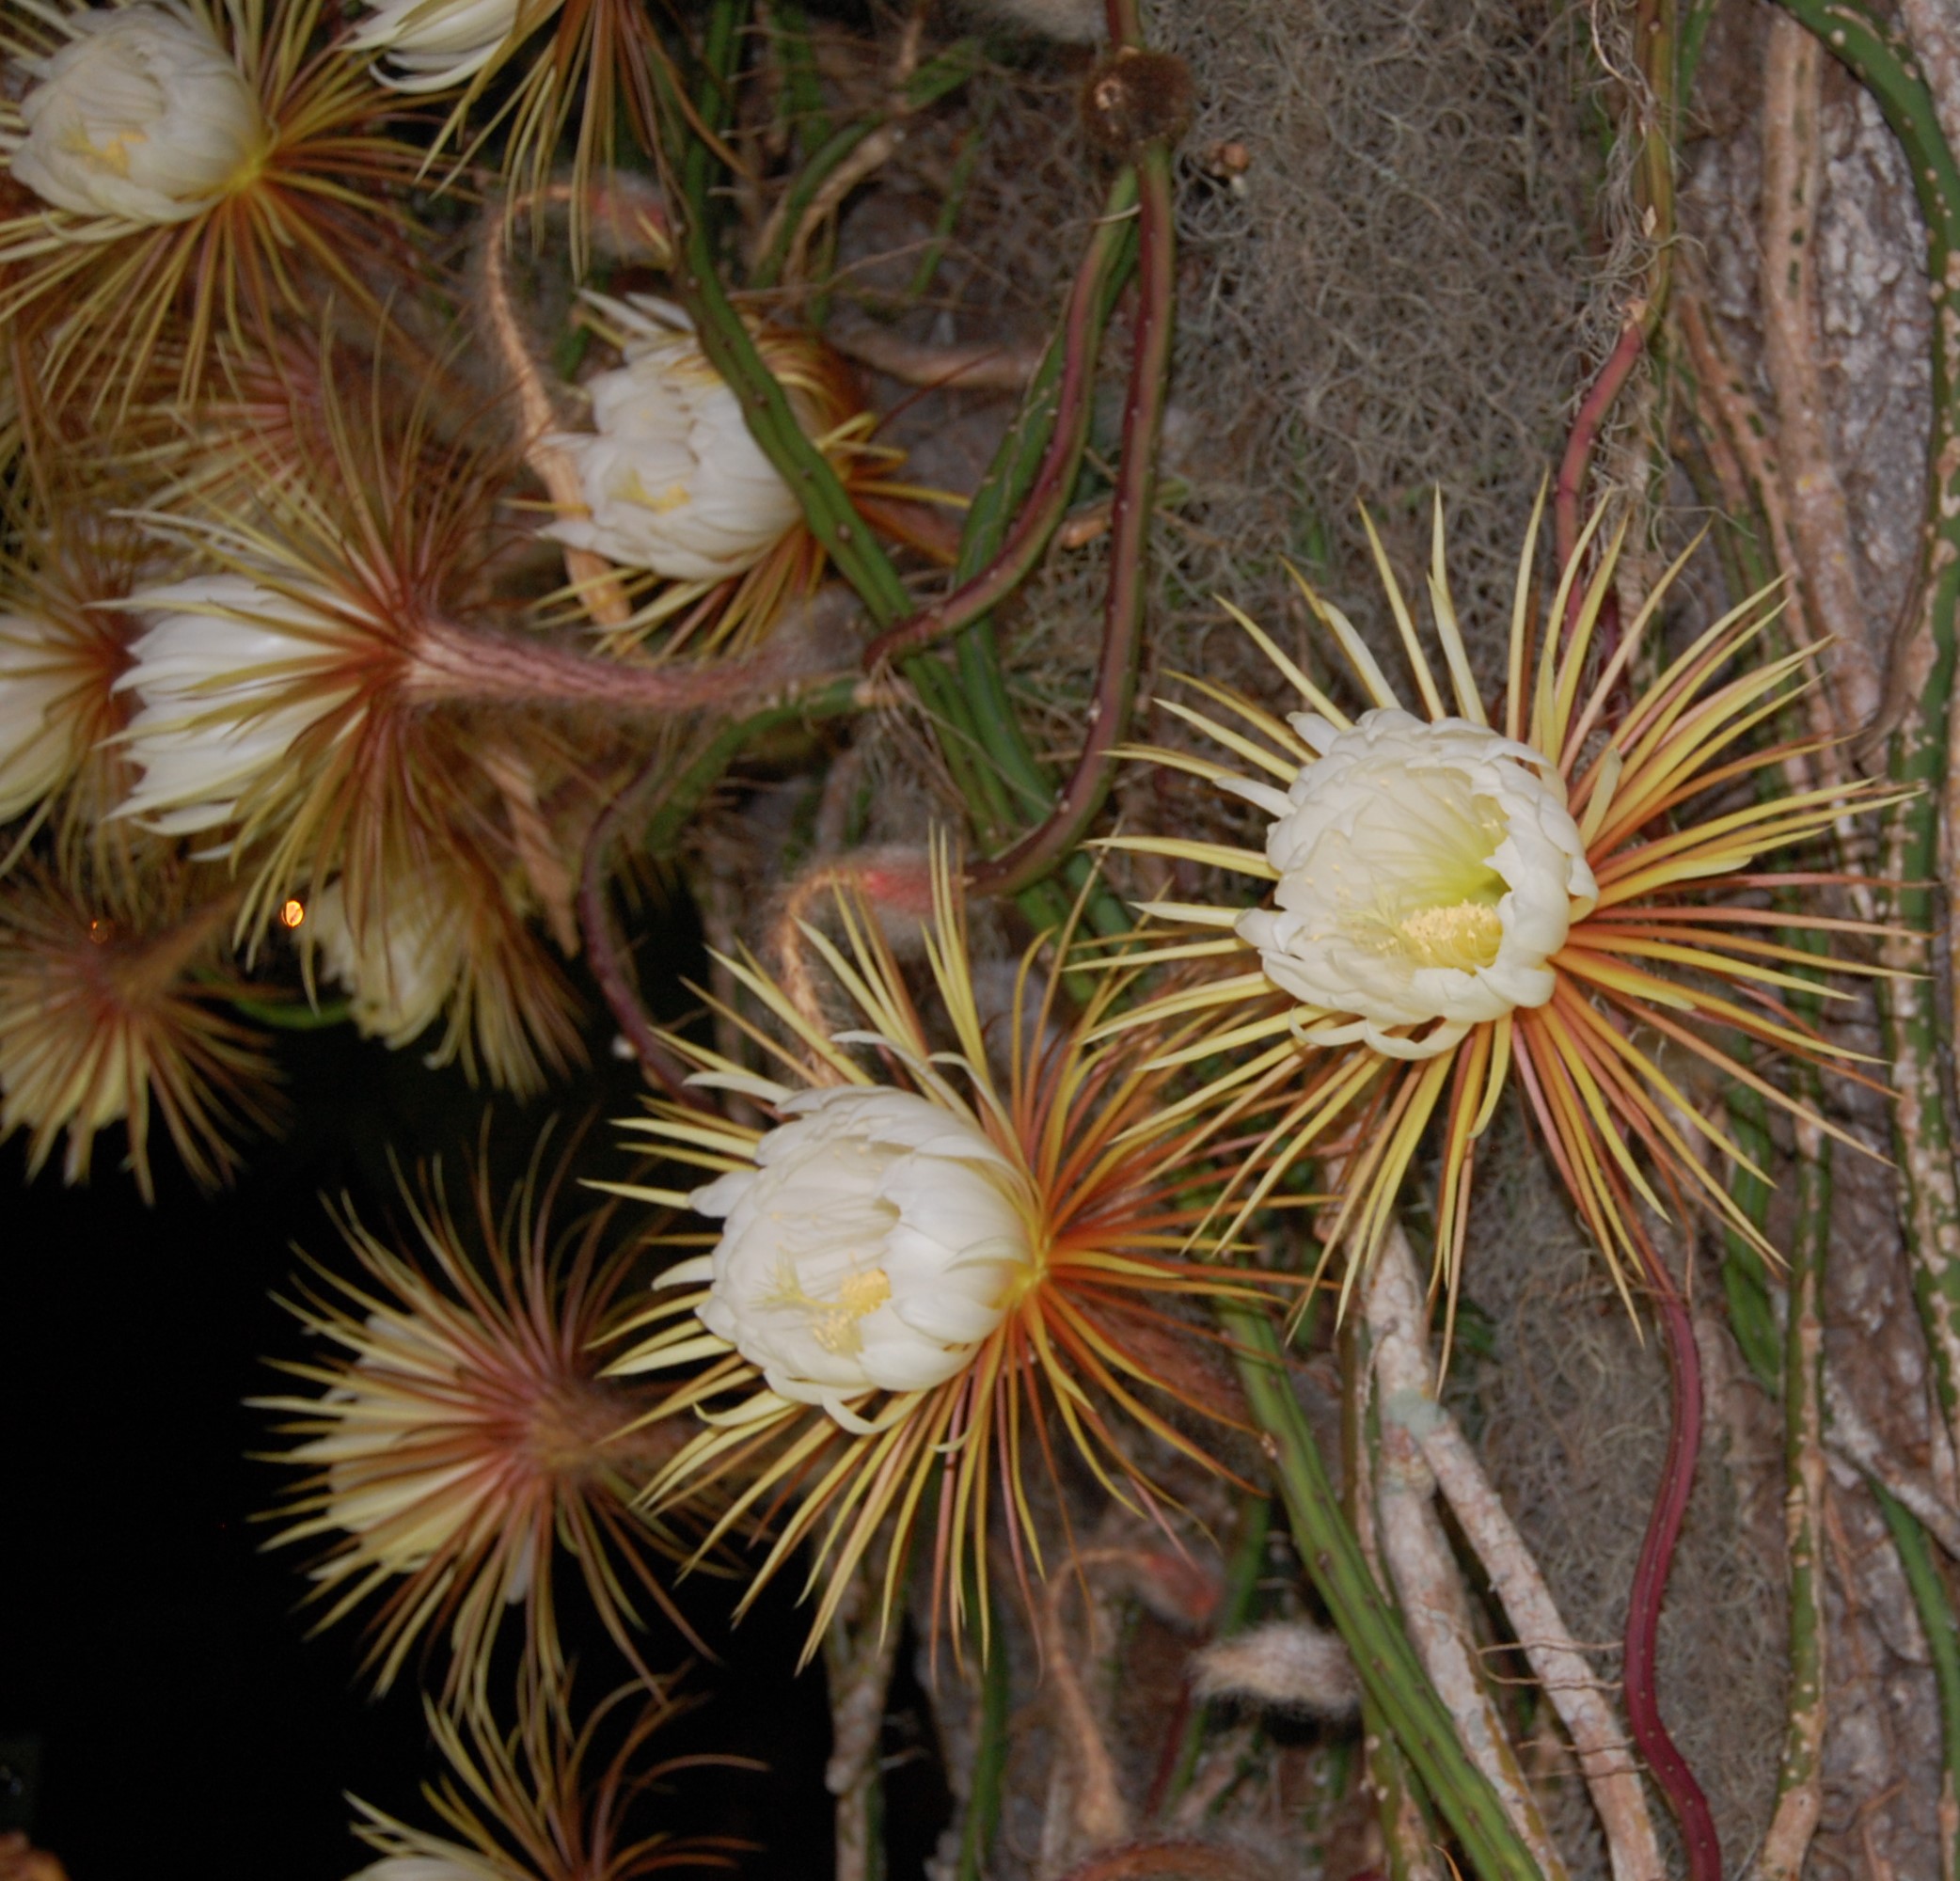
1427,872
878,1239
143,116
673,478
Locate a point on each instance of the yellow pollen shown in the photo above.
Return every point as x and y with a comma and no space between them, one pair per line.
661,503
836,1328
1466,935
113,154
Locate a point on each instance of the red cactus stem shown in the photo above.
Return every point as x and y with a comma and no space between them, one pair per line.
1047,499
1028,860
606,959
451,663
1666,1764
1569,488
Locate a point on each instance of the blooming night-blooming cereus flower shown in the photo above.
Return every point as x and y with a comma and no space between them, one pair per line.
433,44
675,484
1425,873
142,116
520,1807
400,969
462,1436
214,675
195,169
1452,901
918,1273
673,479
875,1242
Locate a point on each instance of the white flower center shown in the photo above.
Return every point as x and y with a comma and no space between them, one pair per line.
1426,875
878,1239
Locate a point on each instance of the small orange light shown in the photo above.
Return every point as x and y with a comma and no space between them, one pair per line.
101,930
293,913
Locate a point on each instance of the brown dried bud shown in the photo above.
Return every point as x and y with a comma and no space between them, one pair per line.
1135,97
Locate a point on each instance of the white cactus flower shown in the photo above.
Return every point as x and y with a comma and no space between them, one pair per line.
433,44
143,116
879,1238
401,969
671,477
217,650
461,1866
36,735
1427,872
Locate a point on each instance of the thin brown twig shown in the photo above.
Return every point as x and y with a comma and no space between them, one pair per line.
606,959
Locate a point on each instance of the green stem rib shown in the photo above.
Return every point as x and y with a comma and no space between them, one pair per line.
1928,1594
987,1785
1799,1771
1391,1676
969,744
939,75
1923,1119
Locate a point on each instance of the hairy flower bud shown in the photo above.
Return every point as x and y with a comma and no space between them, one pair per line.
143,116
1427,872
673,481
878,1239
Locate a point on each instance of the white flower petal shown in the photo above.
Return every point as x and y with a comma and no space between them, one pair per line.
672,478
1427,872
216,647
143,116
878,1239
